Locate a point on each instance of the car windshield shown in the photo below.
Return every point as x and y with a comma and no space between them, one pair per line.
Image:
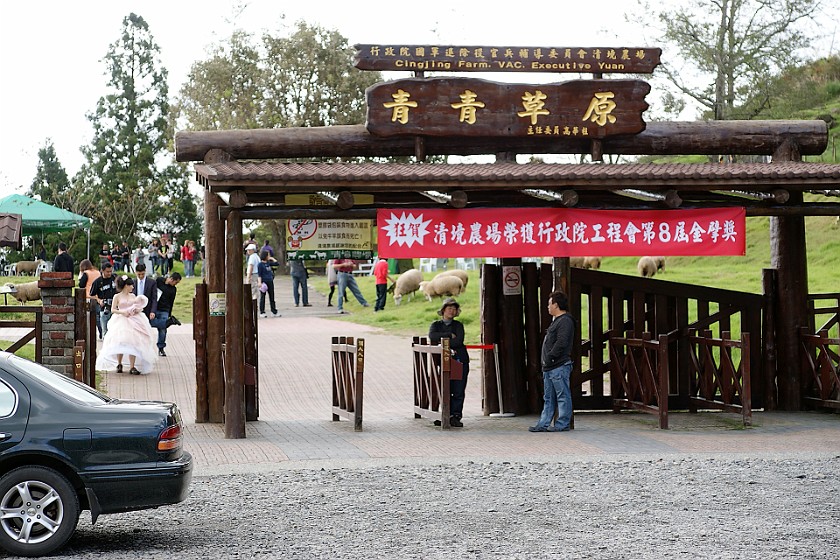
70,387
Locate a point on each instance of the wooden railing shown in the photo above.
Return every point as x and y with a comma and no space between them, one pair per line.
348,372
431,380
35,325
639,375
821,369
716,382
609,303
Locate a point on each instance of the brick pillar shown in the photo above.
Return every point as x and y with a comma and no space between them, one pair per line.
58,332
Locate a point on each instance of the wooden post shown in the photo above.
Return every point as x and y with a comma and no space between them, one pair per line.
358,403
562,270
250,339
489,319
788,257
533,344
512,344
200,316
662,373
214,266
234,351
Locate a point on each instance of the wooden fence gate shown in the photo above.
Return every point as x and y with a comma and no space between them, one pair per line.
431,380
348,373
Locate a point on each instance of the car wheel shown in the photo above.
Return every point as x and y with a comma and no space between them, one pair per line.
40,510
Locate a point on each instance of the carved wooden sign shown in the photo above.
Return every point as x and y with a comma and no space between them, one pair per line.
472,107
430,58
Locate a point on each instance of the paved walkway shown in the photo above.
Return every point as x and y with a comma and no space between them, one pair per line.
295,428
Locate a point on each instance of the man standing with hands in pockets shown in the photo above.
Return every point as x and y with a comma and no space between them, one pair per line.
557,367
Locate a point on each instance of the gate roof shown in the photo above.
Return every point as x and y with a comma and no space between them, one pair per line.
754,185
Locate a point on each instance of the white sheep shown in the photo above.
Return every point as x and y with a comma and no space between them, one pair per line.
660,263
647,267
25,292
27,267
407,284
442,286
462,274
585,262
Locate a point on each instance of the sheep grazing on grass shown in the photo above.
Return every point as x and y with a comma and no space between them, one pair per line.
660,263
647,267
442,286
585,262
407,284
462,274
25,292
27,267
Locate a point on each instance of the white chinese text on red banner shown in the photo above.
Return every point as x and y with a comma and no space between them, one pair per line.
541,232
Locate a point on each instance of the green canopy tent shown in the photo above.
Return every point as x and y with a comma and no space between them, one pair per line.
40,217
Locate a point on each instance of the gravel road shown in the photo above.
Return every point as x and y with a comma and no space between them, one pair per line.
618,508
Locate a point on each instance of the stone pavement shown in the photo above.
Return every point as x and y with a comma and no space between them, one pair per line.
295,429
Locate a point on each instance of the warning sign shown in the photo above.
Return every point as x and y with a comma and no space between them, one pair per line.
511,281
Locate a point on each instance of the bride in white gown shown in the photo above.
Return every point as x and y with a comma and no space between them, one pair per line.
129,333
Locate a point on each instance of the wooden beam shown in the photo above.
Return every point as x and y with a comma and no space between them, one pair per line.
663,138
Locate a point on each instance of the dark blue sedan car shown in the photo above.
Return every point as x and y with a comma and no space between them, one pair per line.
65,447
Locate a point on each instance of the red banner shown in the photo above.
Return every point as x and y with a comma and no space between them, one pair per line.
559,232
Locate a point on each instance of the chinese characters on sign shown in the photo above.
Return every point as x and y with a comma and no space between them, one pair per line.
328,239
425,58
540,232
472,107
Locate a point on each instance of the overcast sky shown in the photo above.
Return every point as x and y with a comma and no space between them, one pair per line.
51,51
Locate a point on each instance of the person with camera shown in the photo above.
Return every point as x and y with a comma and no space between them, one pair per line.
167,291
103,290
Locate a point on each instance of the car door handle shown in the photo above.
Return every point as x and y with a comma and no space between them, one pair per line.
4,436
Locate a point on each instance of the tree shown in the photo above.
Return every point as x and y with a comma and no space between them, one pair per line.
313,82
305,79
51,180
129,173
731,48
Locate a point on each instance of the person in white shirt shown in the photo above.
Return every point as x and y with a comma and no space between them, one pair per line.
251,276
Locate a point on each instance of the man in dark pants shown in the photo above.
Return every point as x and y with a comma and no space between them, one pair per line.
146,287
63,261
103,290
448,327
557,367
168,290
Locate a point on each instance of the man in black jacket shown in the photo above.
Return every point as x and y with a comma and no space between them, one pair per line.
557,367
167,291
448,327
63,261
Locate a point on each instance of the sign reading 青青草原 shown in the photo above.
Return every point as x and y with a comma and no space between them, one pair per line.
328,239
473,107
431,58
538,232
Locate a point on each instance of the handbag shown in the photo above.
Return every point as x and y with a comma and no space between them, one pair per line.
263,287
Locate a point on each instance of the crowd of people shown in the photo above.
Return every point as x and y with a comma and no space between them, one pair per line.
158,256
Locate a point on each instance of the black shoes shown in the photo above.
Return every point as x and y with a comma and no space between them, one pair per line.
119,368
161,353
173,320
454,422
134,371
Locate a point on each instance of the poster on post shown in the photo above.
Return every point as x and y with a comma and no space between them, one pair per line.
560,232
312,239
